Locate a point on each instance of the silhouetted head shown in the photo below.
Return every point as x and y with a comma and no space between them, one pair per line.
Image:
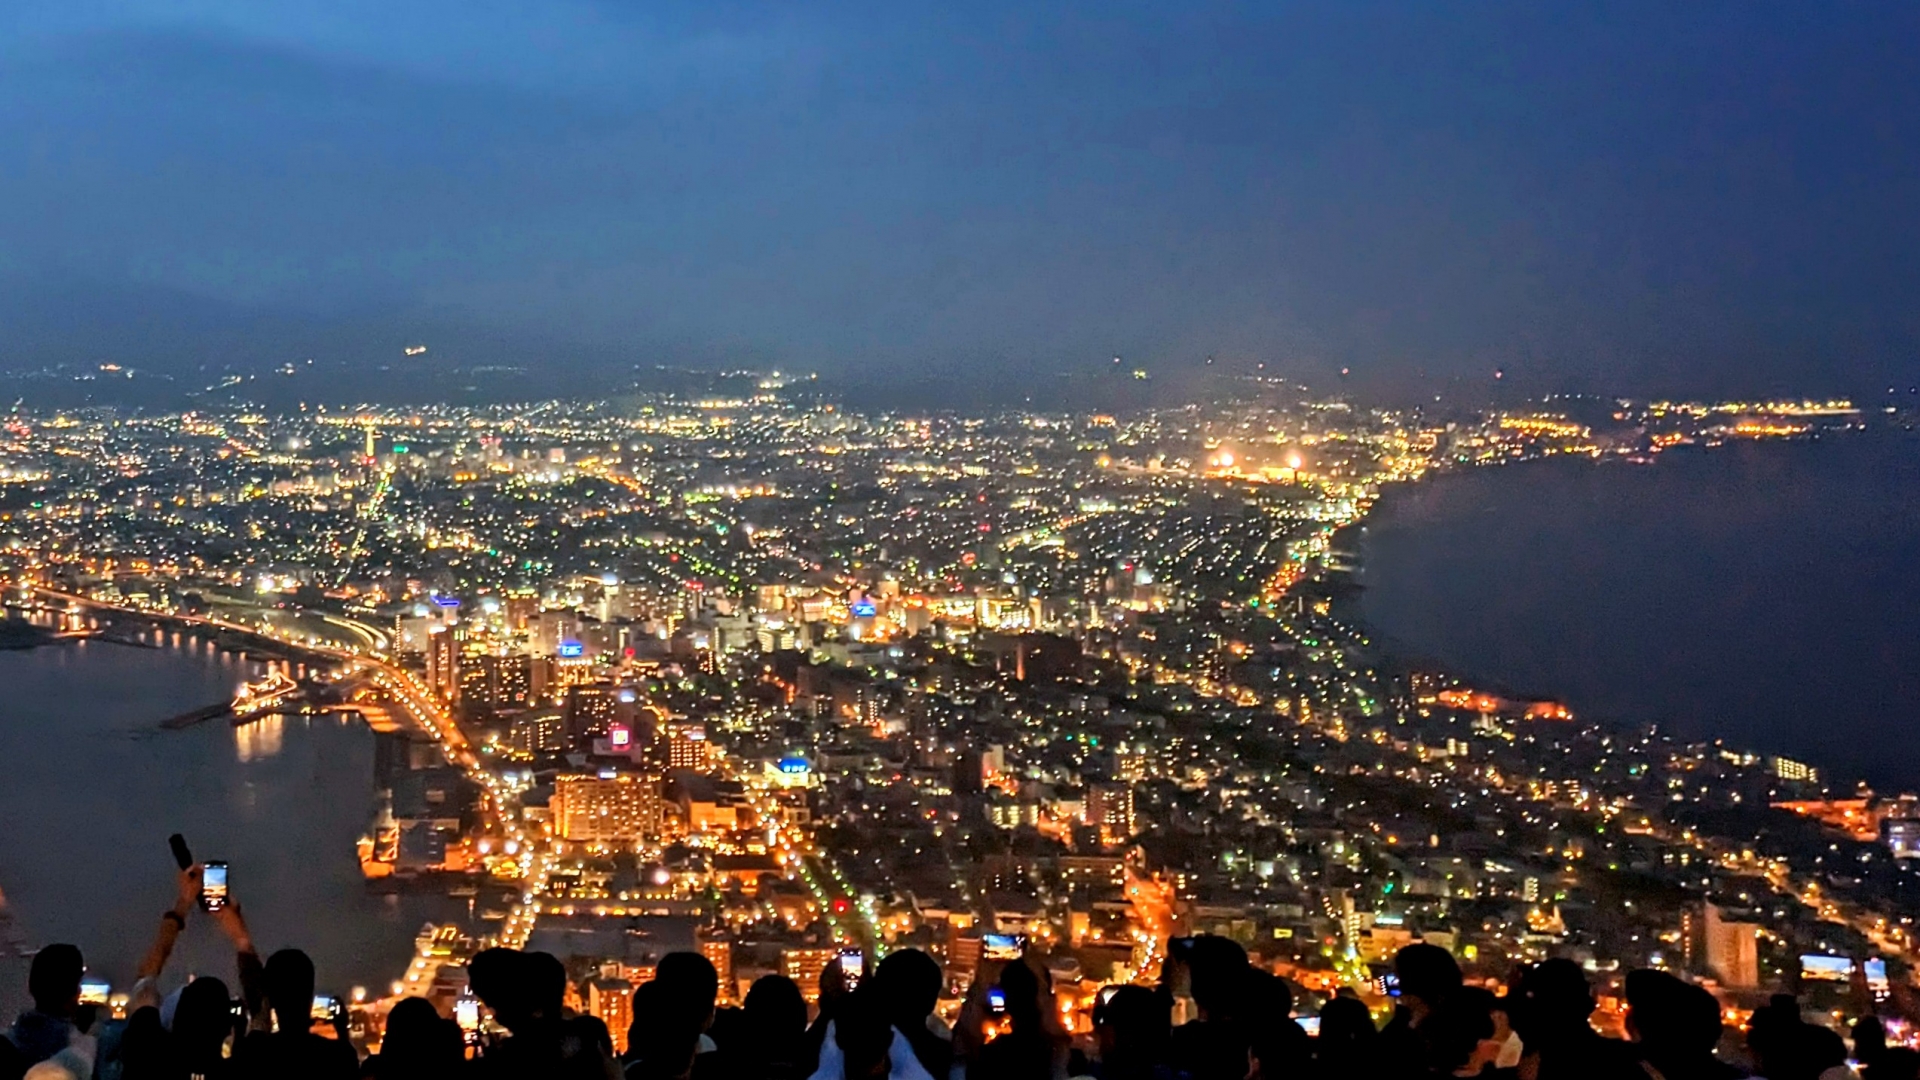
1021,985
412,1020
1279,1048
1133,1024
419,1041
1672,1019
833,989
1869,1039
202,1019
1824,1049
775,1010
503,981
1556,996
1773,1034
1427,975
661,1039
912,982
546,984
1217,975
54,979
146,1050
290,989
691,983
1345,1022
1456,1026
1268,997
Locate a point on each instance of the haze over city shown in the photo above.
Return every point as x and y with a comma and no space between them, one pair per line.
1695,199
732,541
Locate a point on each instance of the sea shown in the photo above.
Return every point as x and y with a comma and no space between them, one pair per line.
93,788
1766,594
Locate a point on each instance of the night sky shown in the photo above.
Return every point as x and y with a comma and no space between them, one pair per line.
1676,197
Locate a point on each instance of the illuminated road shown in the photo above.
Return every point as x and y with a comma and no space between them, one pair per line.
858,924
1153,925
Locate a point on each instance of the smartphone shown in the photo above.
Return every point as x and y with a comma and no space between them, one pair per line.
213,886
326,1007
94,991
180,853
1179,948
1309,1024
997,1001
466,1013
1003,946
1390,984
853,966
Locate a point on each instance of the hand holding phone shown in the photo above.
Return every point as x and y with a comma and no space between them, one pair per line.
213,886
853,966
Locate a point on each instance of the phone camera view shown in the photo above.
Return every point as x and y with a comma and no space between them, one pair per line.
1003,946
213,887
853,966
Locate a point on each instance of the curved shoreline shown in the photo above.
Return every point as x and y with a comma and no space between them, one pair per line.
1714,599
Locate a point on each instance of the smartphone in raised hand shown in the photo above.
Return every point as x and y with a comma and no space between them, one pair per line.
213,886
181,856
853,966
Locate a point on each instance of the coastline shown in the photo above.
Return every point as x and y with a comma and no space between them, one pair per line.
1538,580
254,794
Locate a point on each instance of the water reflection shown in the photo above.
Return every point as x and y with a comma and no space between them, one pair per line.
260,738
284,801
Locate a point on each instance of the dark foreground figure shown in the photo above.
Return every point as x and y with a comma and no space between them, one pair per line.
1009,1027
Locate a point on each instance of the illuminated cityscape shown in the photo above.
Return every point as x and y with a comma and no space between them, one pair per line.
759,676
987,541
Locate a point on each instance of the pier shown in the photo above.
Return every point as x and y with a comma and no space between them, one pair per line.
197,716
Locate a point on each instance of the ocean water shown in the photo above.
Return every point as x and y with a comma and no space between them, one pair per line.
92,790
1767,594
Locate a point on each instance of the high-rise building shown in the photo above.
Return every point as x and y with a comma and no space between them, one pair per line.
538,733
573,671
443,660
1793,771
523,606
964,948
475,689
804,965
687,747
493,681
1902,836
1733,949
717,947
1109,808
610,1000
613,809
591,711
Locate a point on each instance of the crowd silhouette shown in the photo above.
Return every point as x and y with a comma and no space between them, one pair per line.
1244,1026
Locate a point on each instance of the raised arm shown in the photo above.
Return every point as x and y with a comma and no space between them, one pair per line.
172,921
253,986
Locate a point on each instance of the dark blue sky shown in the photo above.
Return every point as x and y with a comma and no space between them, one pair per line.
1620,196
